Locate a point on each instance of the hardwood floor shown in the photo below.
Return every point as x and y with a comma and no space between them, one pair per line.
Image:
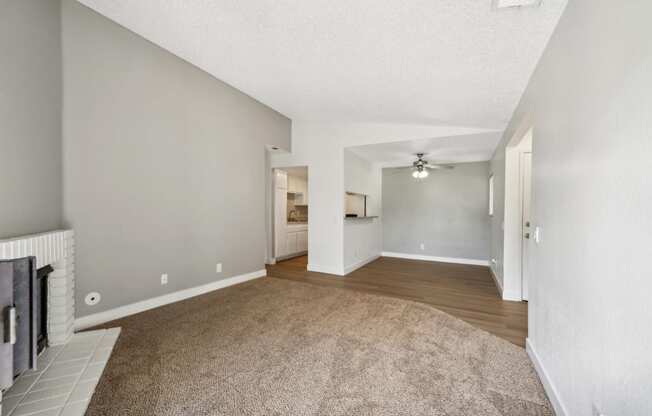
467,292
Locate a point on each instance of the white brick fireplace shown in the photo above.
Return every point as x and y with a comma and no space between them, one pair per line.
57,249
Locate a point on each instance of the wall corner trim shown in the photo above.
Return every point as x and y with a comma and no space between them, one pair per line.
474,262
499,286
325,269
549,387
145,305
355,266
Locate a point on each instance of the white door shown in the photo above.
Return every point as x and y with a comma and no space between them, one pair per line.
527,230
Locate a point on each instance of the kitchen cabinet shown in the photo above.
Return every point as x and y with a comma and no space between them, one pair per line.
280,179
299,187
291,243
302,241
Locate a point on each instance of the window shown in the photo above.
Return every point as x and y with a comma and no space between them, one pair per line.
491,195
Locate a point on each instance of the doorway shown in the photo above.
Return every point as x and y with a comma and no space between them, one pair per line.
290,212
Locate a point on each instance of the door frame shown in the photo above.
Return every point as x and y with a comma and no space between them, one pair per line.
273,230
526,228
513,221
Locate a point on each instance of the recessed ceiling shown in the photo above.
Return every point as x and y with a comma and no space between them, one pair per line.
455,149
443,62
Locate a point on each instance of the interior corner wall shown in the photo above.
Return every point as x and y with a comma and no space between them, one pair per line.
30,117
164,166
362,239
316,148
446,212
589,105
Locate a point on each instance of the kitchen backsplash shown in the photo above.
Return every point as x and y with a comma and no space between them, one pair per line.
297,213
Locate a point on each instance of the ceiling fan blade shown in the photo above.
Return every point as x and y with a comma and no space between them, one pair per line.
440,167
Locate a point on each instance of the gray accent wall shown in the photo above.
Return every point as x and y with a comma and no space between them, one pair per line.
30,117
164,166
590,104
447,212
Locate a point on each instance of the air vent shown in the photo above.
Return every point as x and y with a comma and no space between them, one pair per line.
508,4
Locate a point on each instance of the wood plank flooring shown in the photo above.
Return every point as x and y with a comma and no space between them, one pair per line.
467,292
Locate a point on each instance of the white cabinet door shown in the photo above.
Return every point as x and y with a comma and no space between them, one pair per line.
302,241
291,243
281,179
292,183
280,224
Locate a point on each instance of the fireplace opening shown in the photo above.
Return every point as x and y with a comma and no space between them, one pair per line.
42,307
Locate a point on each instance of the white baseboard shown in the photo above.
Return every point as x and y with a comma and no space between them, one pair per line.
496,280
134,308
348,269
324,269
549,387
436,258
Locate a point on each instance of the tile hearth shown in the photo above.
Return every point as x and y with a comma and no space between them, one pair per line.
65,379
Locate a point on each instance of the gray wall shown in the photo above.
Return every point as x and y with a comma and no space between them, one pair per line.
164,166
448,212
589,102
30,117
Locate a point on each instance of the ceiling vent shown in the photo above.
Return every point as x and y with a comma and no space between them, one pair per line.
508,4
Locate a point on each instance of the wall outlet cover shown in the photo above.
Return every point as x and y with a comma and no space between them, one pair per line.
164,279
218,268
422,246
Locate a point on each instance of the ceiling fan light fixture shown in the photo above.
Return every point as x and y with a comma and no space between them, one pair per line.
423,174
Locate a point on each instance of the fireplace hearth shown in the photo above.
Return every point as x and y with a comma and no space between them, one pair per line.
51,286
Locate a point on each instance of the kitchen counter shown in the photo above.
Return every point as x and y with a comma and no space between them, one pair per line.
297,226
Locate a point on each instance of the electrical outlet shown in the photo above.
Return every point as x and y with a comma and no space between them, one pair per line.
218,268
422,246
537,235
164,279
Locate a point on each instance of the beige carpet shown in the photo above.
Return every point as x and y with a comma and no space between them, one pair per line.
275,347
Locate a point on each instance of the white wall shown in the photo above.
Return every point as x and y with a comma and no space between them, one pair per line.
320,146
362,237
589,101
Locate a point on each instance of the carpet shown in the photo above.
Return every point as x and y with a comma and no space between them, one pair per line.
276,347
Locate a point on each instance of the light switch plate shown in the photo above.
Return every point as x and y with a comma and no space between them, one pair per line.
218,268
164,279
537,235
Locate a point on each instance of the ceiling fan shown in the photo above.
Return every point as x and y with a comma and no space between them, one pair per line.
420,167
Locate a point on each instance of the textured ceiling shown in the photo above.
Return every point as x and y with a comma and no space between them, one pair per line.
444,62
453,149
